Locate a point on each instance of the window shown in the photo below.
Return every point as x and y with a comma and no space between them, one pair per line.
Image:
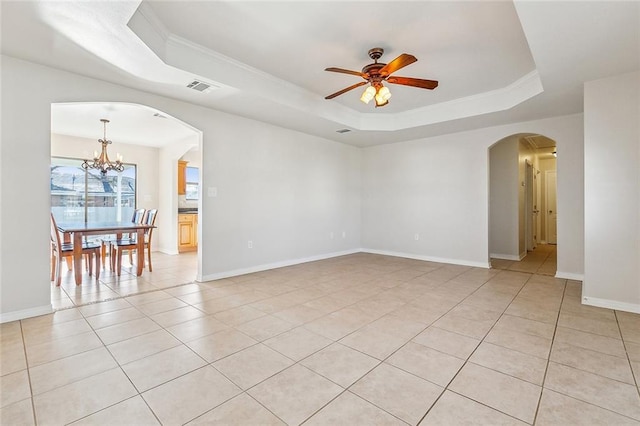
77,194
192,179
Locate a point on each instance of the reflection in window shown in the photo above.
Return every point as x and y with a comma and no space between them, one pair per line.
103,198
192,186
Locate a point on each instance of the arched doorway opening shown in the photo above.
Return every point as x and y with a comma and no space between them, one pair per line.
150,143
522,204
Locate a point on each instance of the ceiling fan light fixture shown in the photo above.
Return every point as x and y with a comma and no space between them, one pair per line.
368,94
380,102
383,95
377,73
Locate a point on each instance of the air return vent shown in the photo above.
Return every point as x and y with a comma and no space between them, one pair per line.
200,86
343,131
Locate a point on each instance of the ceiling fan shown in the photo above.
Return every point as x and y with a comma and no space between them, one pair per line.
376,73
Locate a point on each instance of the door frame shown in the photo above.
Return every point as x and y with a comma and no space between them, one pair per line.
546,204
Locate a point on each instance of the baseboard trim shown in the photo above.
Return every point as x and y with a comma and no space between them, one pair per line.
569,276
611,304
282,264
461,262
505,256
26,313
168,251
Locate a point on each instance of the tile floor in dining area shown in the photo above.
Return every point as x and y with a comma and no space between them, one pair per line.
354,340
168,271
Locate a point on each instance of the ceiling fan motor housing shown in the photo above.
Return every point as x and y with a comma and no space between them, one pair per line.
373,69
376,53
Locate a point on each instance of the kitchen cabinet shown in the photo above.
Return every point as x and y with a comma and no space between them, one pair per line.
187,232
182,177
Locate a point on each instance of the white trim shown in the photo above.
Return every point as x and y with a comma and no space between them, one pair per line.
569,276
26,313
485,265
169,251
506,256
611,304
546,202
267,266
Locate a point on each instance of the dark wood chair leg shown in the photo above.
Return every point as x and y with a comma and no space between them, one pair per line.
98,255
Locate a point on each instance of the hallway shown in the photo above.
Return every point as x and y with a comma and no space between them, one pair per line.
542,260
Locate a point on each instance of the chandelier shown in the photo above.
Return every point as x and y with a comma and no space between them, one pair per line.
102,162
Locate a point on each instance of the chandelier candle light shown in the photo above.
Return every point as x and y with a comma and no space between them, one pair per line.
102,161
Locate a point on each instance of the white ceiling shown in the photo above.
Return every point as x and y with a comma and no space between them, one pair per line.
496,62
130,124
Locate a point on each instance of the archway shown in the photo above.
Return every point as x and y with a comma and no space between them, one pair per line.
521,218
151,142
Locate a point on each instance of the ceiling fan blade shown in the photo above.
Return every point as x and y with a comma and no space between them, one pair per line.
399,62
333,95
343,71
415,82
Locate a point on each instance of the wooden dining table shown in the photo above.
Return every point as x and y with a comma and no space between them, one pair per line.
77,230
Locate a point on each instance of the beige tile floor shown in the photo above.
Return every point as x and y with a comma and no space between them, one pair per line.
359,339
541,260
168,271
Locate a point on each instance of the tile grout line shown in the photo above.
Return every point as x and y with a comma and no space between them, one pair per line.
633,373
467,360
26,362
553,340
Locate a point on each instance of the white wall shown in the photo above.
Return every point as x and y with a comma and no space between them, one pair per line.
439,188
503,204
284,190
612,192
193,157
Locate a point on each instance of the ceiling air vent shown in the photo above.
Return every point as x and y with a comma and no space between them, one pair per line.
199,86
343,131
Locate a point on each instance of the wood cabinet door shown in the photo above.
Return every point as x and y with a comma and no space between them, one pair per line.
182,177
185,230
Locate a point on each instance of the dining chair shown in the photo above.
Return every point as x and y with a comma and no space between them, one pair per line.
138,216
117,247
60,250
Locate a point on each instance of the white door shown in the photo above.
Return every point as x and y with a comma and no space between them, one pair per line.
552,214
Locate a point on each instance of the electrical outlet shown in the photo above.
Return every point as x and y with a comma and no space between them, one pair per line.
250,244
416,237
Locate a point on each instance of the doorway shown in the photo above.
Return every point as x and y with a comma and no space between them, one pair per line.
522,170
141,136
